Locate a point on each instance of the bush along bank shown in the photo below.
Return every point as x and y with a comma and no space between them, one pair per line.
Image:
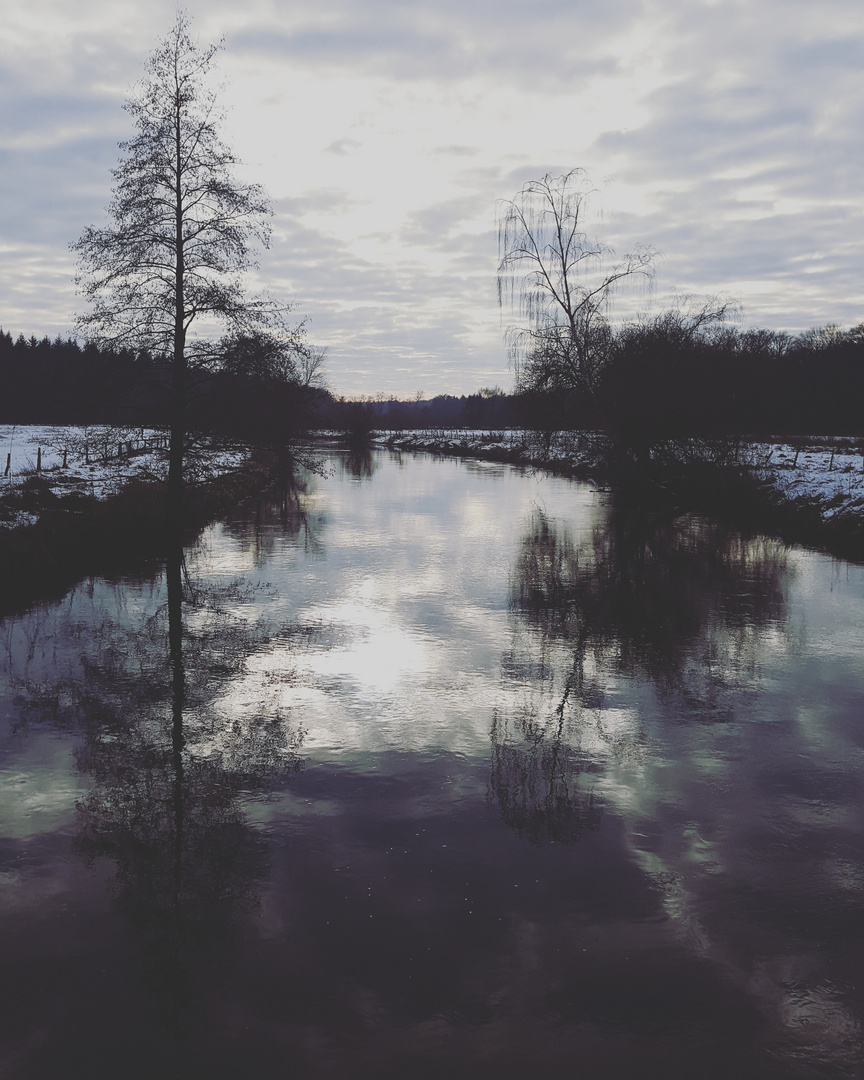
75,535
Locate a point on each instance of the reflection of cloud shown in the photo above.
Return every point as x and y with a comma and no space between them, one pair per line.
378,654
742,824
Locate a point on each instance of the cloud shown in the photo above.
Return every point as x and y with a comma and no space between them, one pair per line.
446,39
455,149
343,147
441,226
388,132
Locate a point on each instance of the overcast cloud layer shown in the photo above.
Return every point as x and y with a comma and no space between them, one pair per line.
730,135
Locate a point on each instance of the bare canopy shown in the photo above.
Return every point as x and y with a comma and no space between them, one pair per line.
558,282
181,235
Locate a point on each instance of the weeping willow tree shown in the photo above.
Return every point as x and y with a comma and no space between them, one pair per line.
558,282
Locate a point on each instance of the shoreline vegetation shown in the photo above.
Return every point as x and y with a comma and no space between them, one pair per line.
805,490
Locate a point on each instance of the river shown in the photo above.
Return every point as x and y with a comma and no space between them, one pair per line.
443,769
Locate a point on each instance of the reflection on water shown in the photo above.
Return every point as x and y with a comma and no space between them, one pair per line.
686,604
454,771
168,773
537,767
358,462
683,605
168,766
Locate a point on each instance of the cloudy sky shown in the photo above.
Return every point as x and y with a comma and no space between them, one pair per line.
727,134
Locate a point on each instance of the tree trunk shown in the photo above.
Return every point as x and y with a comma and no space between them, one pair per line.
174,577
175,448
178,366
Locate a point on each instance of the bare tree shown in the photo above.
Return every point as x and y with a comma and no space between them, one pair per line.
309,365
180,234
559,282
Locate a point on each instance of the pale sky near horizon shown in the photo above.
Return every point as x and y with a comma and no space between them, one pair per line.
726,134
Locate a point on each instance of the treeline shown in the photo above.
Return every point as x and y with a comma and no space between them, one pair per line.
665,379
676,377
489,408
58,381
670,378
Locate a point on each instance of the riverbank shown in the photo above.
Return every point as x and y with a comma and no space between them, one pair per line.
808,490
57,532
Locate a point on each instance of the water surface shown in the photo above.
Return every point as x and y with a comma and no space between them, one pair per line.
458,771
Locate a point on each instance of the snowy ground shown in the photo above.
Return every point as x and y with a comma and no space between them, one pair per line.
99,460
825,470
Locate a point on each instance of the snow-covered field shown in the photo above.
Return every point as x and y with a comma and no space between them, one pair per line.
829,472
95,461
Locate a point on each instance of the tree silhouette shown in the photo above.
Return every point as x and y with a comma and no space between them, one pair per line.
180,236
559,281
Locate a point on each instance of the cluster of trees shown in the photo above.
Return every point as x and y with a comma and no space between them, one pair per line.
678,376
245,394
669,377
684,372
681,374
490,407
61,381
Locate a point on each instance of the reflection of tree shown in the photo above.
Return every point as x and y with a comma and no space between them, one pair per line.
680,604
171,756
281,511
358,462
536,779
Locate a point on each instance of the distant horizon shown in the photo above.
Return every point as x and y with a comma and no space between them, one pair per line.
727,137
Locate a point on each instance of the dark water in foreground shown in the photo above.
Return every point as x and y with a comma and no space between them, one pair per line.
459,774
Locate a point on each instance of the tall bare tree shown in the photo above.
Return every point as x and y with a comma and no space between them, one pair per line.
182,228
558,281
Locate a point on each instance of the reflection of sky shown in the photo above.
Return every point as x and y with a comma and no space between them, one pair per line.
721,816
410,602
414,591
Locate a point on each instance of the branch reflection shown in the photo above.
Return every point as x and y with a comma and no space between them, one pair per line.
170,764
358,462
286,510
173,752
682,608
